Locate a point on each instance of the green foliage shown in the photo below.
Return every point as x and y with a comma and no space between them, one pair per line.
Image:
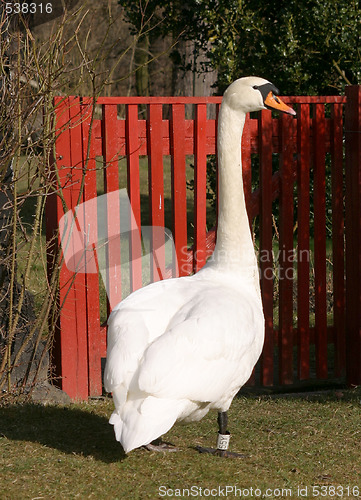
309,47
142,14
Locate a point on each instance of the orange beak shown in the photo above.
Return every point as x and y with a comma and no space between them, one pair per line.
275,102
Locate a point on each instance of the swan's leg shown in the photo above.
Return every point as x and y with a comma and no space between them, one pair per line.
223,435
222,440
159,445
222,420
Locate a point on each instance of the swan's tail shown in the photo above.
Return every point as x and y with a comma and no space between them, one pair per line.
141,421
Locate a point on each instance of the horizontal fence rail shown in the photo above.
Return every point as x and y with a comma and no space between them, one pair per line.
155,148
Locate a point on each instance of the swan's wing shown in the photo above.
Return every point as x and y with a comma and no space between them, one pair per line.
207,352
135,323
127,339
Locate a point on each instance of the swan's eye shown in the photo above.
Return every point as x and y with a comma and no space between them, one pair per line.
255,87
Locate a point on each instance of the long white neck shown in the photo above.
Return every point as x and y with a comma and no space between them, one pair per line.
234,248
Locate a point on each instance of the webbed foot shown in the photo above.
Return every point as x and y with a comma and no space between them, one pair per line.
223,438
161,446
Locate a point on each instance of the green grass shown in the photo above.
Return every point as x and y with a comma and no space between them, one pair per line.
70,452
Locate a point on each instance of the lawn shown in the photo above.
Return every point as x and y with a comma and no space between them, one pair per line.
297,447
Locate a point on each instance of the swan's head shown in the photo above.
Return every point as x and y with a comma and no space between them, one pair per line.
254,94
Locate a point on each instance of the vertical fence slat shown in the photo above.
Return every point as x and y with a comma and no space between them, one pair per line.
217,179
179,188
286,254
156,189
303,238
64,342
79,369
110,145
338,237
79,278
91,236
133,182
266,260
200,186
319,200
353,234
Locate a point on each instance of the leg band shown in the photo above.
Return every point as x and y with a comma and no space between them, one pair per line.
223,441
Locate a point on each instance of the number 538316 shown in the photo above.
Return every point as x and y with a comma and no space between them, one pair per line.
28,8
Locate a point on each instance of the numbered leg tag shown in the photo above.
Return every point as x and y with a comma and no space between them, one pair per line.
223,441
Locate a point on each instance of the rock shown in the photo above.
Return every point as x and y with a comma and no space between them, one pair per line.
46,394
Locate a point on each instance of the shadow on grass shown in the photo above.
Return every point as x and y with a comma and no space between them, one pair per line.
67,429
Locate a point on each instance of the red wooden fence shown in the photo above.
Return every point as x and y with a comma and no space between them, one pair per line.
303,341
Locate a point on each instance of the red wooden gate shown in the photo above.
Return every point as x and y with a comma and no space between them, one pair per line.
101,149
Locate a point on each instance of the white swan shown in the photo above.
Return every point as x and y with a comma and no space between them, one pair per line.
181,347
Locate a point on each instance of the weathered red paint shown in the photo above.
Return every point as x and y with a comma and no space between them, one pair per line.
338,244
353,234
179,187
319,203
286,265
133,184
303,240
200,186
301,144
266,257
